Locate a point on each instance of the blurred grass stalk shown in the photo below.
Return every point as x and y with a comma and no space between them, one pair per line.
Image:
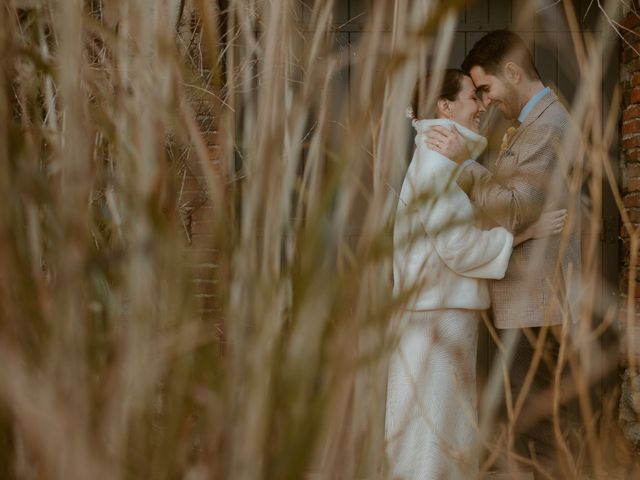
107,370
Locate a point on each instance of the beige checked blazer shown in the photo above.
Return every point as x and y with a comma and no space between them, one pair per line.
529,177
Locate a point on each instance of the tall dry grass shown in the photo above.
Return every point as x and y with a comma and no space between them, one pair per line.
107,369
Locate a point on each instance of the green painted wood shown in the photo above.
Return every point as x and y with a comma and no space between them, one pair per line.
359,11
500,12
546,56
458,50
547,15
477,11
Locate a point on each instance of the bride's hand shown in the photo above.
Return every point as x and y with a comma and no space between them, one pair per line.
448,142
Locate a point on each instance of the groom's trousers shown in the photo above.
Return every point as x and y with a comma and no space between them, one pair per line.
540,432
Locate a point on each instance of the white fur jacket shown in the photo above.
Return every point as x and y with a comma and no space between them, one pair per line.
441,258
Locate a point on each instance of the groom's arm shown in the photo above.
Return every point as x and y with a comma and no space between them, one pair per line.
515,200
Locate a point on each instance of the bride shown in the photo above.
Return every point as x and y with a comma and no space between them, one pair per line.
442,261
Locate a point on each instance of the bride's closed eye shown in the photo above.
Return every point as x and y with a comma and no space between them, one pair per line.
480,92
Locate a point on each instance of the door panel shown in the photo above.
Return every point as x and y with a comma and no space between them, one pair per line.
568,68
471,38
477,11
547,15
341,13
500,12
546,56
458,50
358,11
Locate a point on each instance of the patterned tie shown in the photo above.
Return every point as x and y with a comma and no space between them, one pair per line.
508,135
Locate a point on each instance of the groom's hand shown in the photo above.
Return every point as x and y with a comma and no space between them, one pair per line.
448,142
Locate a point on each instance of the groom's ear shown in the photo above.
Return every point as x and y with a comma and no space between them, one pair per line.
512,72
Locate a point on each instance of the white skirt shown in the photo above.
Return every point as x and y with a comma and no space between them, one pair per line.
431,418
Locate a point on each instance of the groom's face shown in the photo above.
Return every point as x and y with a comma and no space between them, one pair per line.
496,90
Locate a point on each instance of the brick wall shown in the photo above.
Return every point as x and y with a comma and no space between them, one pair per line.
207,269
630,148
630,156
197,217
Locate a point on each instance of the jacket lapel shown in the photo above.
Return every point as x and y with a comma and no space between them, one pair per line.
544,103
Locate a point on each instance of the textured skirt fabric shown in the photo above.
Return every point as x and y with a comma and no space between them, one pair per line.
431,420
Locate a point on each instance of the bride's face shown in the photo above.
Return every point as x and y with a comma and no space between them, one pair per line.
467,108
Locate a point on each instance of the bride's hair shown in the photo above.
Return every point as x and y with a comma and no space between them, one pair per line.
449,90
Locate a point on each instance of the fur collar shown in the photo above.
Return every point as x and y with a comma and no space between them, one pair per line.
476,143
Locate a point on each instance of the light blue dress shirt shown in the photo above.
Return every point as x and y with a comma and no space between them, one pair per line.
532,103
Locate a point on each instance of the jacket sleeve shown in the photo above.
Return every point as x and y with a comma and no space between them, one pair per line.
450,225
472,252
516,200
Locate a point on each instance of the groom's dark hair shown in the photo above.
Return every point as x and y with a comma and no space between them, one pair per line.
495,49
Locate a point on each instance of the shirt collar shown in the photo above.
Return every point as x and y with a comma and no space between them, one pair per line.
532,103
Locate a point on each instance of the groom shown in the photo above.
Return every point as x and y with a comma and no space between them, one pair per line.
529,176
